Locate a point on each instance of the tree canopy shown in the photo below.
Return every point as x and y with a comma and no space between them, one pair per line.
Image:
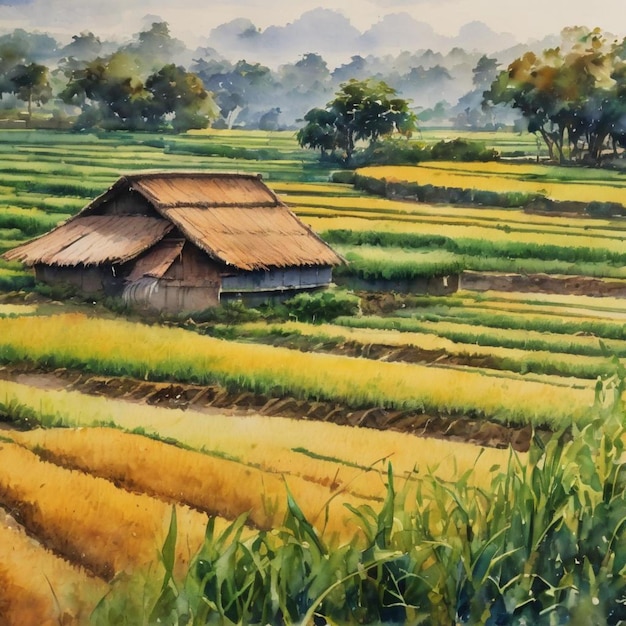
362,110
573,96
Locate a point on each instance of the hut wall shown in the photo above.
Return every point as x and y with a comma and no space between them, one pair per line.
170,296
192,283
277,279
193,267
90,280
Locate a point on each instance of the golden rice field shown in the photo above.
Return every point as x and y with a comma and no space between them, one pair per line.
323,221
503,177
119,488
349,459
124,348
439,213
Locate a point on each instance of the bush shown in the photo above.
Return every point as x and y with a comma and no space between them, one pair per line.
345,177
462,150
392,152
322,306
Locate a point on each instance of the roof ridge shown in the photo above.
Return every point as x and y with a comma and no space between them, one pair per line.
188,174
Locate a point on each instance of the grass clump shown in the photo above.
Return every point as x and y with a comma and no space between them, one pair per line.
323,306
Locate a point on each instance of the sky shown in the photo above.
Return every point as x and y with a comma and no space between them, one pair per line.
189,19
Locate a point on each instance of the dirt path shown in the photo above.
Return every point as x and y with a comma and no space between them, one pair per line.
214,398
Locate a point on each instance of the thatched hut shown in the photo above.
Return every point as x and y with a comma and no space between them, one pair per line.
183,241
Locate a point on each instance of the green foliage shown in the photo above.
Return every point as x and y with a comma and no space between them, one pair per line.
392,151
234,312
16,281
571,96
449,195
362,110
462,150
397,264
322,306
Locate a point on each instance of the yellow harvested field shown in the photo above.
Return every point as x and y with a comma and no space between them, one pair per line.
498,177
434,343
270,443
140,350
37,587
217,486
590,303
383,206
94,524
565,313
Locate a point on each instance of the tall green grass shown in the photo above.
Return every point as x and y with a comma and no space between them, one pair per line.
544,543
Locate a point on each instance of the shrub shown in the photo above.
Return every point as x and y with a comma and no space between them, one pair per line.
322,306
345,177
462,150
392,152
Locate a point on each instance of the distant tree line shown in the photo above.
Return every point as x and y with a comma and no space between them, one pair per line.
572,96
156,82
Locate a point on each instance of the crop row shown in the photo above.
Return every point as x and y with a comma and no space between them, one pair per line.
125,348
496,236
38,587
96,525
433,310
390,263
460,332
339,458
528,545
513,219
493,178
434,348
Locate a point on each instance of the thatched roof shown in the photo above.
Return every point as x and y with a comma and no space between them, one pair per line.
234,218
93,240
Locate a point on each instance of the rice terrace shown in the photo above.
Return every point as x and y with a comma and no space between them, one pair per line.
363,367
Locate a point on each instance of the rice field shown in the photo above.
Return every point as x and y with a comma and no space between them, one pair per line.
561,184
138,350
507,359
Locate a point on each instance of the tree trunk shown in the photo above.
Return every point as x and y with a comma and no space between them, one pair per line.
30,109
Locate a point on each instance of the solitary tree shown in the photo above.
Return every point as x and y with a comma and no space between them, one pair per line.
362,110
31,84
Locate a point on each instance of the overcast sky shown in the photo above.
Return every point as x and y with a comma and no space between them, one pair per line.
191,19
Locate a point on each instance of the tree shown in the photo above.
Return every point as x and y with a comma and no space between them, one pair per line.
363,110
566,94
109,91
180,96
237,87
31,83
22,48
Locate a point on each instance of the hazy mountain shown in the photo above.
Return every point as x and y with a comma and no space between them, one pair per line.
478,36
320,30
400,31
